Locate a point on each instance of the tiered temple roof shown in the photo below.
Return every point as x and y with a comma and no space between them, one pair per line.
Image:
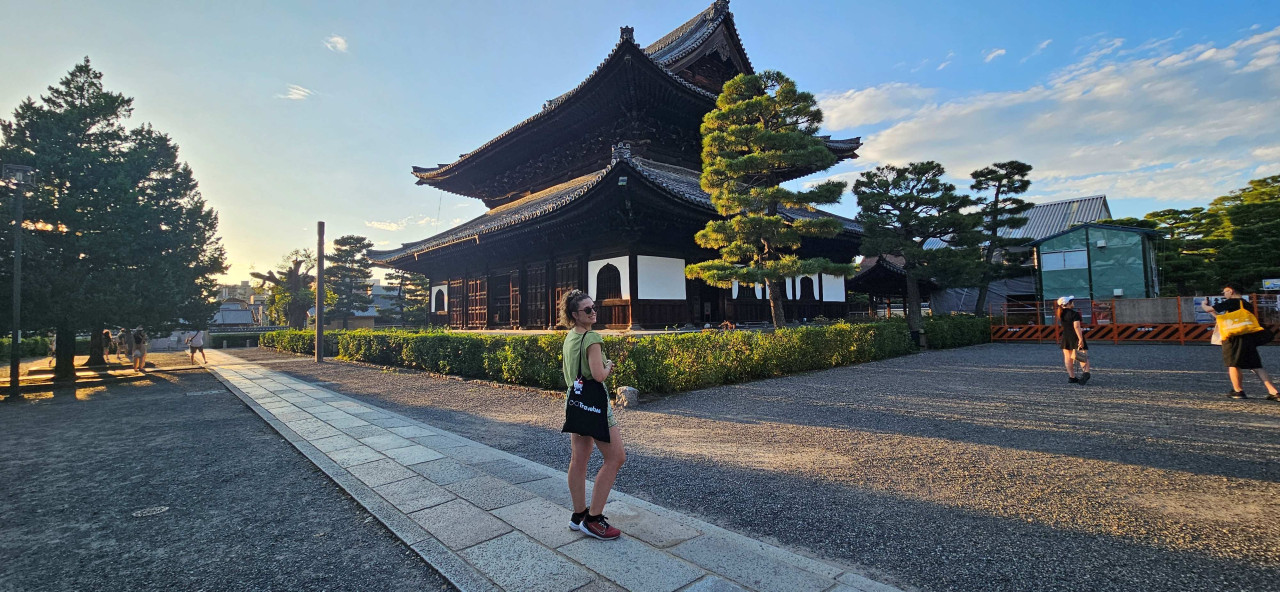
678,182
651,99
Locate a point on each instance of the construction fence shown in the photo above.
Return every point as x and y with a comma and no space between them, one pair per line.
1165,320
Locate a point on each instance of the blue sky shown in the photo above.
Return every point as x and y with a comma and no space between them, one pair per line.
290,112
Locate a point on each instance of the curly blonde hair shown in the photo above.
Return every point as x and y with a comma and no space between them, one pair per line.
569,305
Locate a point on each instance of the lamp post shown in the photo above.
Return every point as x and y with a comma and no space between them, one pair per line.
16,176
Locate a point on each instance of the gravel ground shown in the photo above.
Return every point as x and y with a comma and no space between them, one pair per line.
971,469
246,511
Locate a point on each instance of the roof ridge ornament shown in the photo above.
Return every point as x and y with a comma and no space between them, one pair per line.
720,7
628,34
621,151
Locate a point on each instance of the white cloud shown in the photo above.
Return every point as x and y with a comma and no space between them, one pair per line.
1172,124
886,102
388,226
947,60
1039,48
336,43
1268,153
296,93
993,54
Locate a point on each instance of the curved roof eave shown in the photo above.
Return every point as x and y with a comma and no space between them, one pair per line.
690,36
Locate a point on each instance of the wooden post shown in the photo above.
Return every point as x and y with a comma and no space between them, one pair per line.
319,291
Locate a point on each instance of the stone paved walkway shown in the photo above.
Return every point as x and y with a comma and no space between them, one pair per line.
489,520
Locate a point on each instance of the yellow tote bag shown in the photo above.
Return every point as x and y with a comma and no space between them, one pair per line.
1237,322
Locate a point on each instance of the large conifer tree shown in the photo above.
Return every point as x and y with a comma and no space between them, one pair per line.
118,234
760,134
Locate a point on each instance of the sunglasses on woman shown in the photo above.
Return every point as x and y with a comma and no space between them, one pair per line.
589,310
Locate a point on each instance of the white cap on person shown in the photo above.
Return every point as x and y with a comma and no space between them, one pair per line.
1065,300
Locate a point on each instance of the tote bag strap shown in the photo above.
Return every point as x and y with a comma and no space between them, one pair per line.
582,350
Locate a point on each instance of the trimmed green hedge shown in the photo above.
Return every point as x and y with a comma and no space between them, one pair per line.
35,347
300,342
653,363
957,330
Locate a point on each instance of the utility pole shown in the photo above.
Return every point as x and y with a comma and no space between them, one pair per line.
319,291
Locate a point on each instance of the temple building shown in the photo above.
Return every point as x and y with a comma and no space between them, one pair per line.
600,191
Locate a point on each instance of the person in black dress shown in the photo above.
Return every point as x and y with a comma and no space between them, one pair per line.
1241,351
1074,347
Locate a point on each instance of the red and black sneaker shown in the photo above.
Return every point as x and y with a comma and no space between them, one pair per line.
575,520
598,526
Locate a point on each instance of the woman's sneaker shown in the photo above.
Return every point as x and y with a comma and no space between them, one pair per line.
598,527
575,519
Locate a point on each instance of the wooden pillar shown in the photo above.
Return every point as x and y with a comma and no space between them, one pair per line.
634,274
552,302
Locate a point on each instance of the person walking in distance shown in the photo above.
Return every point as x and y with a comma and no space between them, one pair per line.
1074,348
139,353
584,358
195,342
1241,351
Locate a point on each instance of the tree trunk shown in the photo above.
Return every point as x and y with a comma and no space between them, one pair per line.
984,281
913,308
776,292
344,321
64,366
96,345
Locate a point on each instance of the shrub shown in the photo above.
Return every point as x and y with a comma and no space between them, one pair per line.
653,364
957,330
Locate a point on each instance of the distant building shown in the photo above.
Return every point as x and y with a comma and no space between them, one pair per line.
1097,262
243,291
232,314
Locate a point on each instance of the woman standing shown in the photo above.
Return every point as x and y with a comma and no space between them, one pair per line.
1240,351
584,356
1074,347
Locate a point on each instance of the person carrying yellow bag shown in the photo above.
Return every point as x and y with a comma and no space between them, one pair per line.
1241,335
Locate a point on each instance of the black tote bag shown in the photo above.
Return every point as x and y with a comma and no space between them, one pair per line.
587,411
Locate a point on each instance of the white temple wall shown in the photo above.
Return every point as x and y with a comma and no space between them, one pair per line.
594,267
436,289
659,278
832,288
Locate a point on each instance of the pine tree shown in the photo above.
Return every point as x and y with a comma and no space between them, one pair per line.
118,233
413,297
1002,210
904,207
347,273
760,134
1251,221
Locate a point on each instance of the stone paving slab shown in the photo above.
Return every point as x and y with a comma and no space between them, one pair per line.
412,455
488,493
459,524
446,471
489,520
743,565
413,494
516,562
633,564
541,520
